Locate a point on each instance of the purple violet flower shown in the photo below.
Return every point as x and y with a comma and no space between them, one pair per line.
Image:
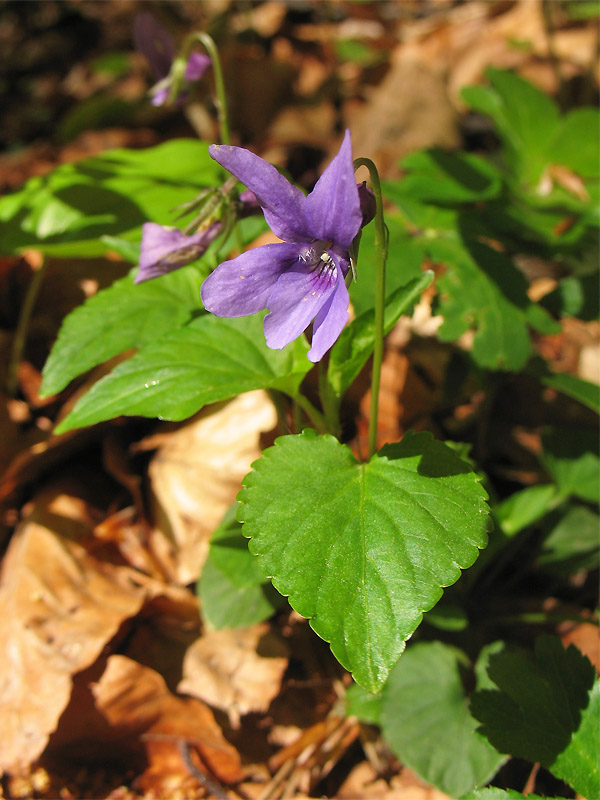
157,46
301,278
166,249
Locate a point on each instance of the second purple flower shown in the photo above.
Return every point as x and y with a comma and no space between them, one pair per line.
301,278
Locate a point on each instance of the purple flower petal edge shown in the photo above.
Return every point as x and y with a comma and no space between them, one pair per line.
166,249
301,279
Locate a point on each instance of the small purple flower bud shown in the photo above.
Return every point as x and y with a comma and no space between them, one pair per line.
249,204
368,205
166,249
196,66
157,46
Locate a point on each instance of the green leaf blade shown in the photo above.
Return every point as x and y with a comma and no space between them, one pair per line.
545,709
67,212
211,359
355,344
425,718
116,319
362,550
233,591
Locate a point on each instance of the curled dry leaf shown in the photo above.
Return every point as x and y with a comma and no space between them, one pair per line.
136,702
238,670
196,475
59,606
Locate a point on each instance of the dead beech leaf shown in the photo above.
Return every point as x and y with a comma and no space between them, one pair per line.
364,782
59,608
136,702
238,670
196,475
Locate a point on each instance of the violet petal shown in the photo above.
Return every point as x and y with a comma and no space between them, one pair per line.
333,207
166,249
242,285
196,66
368,204
160,97
154,43
330,320
283,204
296,298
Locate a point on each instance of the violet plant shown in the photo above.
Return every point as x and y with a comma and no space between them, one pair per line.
362,547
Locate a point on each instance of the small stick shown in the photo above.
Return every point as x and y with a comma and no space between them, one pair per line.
185,751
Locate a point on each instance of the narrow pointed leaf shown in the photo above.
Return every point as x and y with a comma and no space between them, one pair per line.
117,319
355,344
209,360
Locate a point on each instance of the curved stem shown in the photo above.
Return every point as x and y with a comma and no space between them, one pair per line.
22,326
221,100
313,413
381,246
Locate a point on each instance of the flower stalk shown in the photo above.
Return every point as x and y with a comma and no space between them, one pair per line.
220,100
381,246
20,339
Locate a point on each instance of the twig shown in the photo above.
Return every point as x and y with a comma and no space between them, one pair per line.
185,750
530,785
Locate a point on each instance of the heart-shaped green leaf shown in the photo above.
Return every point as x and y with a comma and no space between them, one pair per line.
363,550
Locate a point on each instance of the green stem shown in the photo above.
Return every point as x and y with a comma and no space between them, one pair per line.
313,413
221,100
329,402
381,246
18,346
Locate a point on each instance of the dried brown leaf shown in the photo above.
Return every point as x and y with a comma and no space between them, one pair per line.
237,670
136,702
60,606
196,475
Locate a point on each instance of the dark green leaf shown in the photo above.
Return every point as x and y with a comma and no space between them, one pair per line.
447,616
577,143
575,296
404,264
363,704
526,118
211,359
449,178
363,549
482,290
572,543
232,590
571,456
523,508
545,709
355,345
426,720
67,212
116,319
493,793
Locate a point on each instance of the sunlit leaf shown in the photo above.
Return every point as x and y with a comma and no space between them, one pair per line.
211,359
363,550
